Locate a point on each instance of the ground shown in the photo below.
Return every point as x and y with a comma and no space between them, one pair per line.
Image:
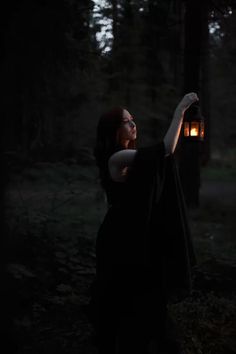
52,213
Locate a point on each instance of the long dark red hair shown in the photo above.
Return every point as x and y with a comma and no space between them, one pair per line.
107,139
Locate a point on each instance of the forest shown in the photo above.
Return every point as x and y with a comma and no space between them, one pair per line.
63,63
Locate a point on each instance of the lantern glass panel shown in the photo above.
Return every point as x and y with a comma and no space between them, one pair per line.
186,129
202,130
194,129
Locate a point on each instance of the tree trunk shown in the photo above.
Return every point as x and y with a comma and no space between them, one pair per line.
190,151
113,83
205,85
178,47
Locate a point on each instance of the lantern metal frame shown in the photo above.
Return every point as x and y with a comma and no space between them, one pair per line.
193,124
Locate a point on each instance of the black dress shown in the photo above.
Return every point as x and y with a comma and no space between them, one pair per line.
144,256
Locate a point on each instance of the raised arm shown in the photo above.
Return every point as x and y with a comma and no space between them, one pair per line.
172,136
121,160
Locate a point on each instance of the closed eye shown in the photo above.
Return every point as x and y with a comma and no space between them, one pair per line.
128,120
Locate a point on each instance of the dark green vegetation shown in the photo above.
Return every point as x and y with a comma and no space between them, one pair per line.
53,211
57,78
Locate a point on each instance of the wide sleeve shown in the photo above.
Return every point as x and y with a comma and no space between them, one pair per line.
148,171
178,249
147,161
145,183
162,220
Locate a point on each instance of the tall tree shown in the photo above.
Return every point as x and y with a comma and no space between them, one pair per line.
205,150
155,27
195,44
31,53
46,43
223,71
122,56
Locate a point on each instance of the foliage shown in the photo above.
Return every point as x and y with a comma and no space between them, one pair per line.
53,211
89,55
60,80
202,319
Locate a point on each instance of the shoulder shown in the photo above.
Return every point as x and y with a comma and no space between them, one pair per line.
119,163
122,156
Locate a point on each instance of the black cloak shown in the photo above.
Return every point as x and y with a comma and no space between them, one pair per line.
162,212
144,241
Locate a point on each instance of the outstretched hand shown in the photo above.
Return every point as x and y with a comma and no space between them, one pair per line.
188,99
172,135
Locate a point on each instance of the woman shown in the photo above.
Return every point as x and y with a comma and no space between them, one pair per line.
144,252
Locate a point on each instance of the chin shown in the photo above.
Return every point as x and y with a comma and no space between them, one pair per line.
133,136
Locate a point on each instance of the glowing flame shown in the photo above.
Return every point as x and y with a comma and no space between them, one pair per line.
194,132
194,129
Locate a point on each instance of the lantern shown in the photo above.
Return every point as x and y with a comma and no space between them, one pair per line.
193,125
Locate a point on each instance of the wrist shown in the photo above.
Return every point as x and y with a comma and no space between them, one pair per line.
181,108
179,113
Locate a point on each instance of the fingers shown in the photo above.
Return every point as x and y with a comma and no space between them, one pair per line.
187,100
192,96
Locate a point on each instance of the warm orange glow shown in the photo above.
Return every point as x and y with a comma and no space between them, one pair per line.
193,126
186,129
202,130
194,129
194,132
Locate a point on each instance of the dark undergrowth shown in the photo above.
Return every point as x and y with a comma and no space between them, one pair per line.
52,214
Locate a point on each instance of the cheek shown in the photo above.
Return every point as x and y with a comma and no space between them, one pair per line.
121,135
124,132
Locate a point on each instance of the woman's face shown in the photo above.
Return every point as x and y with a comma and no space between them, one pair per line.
127,130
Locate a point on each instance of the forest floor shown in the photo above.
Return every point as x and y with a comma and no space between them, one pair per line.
52,213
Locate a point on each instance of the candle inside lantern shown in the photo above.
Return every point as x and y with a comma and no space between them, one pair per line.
194,129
